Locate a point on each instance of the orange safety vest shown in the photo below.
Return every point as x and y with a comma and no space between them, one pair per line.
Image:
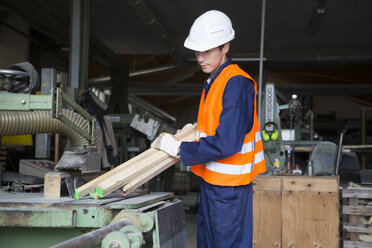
242,167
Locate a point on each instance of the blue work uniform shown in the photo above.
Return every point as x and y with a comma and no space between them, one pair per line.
225,212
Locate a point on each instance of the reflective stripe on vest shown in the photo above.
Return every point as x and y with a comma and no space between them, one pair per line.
242,167
232,169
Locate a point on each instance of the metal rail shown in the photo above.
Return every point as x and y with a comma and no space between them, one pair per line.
93,238
261,59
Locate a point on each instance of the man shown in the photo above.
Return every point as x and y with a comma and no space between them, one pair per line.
227,153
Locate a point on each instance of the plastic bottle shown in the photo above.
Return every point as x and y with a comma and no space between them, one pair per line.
288,167
310,168
276,163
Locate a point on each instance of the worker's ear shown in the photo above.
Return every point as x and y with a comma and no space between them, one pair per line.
226,48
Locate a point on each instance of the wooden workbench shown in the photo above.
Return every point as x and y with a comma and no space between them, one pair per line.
296,211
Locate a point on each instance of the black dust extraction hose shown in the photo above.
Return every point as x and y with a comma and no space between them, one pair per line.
41,121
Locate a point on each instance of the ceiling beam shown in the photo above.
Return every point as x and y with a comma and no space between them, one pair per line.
160,89
107,79
328,89
194,89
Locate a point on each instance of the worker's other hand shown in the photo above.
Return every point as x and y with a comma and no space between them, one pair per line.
188,125
167,143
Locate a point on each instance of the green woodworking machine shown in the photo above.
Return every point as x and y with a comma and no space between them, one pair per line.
150,220
30,220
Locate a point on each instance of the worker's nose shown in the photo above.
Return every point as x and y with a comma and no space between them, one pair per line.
199,57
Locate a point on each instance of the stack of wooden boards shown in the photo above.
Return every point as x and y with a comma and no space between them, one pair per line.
357,216
134,172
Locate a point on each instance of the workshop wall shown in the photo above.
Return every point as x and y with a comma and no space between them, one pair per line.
14,45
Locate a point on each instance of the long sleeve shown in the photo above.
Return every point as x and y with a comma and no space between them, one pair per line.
236,121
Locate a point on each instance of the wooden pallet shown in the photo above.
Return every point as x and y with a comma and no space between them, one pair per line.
295,212
134,172
357,217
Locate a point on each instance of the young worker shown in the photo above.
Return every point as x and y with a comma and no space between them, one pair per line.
227,153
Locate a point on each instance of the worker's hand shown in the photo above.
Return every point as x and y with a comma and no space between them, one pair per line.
167,143
188,125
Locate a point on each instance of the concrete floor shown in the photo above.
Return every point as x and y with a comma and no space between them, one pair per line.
191,224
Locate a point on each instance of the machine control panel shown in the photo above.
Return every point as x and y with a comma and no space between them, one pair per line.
269,104
35,167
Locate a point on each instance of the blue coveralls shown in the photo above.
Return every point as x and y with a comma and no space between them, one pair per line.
225,212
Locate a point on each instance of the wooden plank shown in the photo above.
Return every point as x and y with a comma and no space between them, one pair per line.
127,175
354,219
148,175
310,184
357,228
310,219
344,218
357,210
91,186
265,183
123,177
357,146
356,244
52,185
304,148
365,237
357,193
185,135
267,223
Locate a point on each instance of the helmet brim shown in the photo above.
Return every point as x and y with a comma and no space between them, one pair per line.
200,47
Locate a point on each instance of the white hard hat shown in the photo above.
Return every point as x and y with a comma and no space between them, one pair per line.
210,30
